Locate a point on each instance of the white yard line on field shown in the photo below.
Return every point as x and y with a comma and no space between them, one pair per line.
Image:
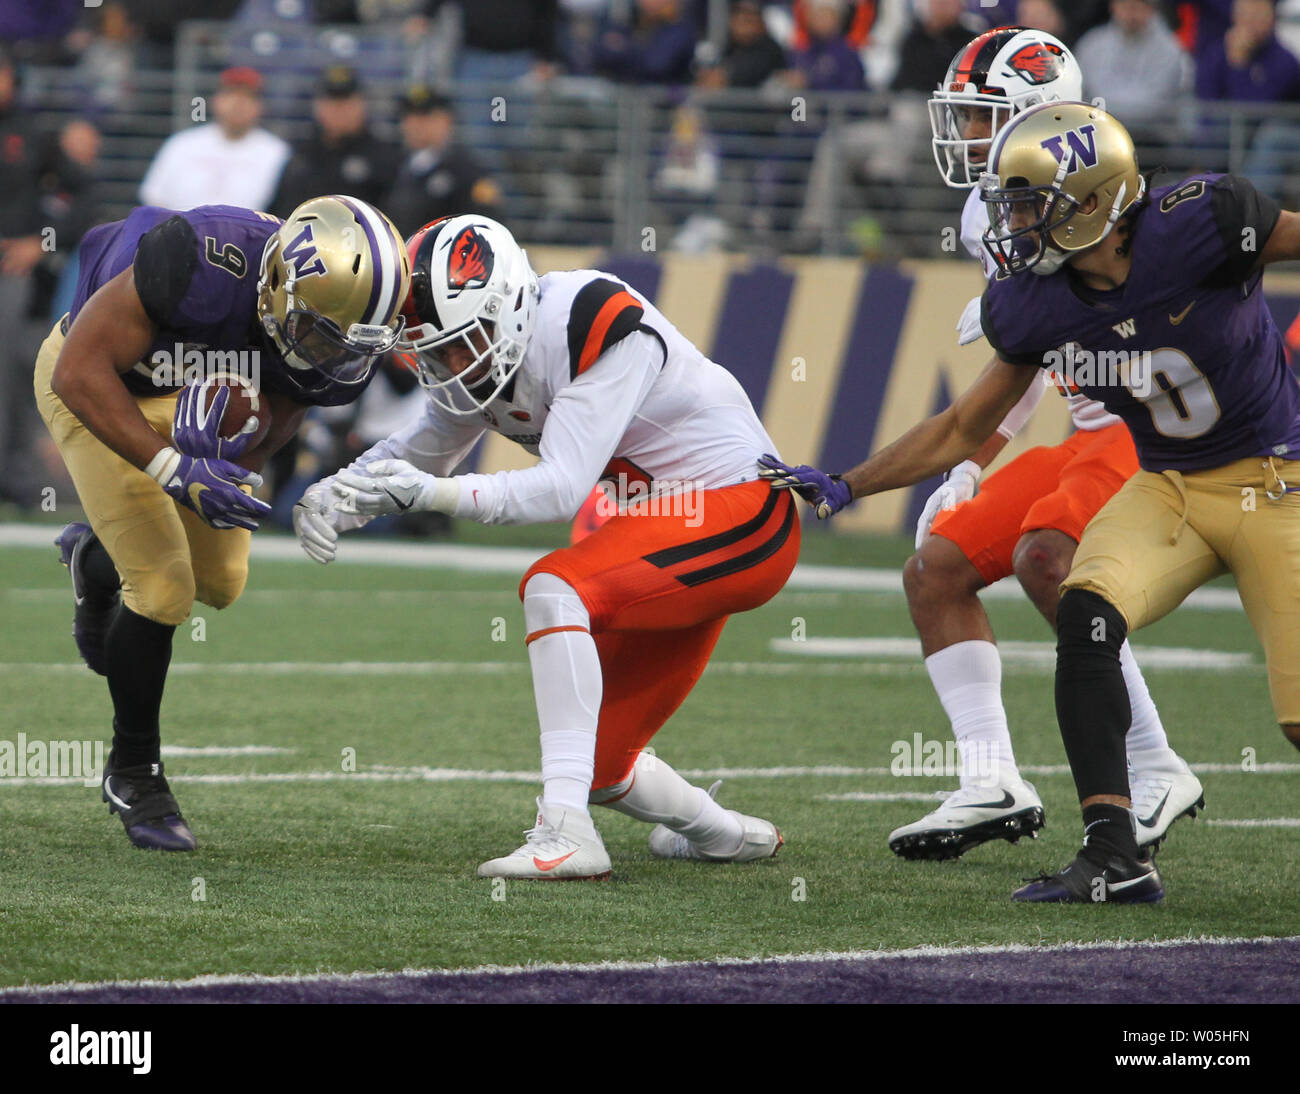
394,774
514,561
449,668
1021,653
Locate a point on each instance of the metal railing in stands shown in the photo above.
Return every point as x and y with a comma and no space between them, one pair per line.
586,162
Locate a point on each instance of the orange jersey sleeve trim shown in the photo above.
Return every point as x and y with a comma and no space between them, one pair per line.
595,344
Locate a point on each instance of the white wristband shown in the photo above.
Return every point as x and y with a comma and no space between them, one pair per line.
443,496
163,466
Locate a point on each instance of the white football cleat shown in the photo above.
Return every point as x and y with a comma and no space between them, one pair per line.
759,839
971,816
1162,788
564,846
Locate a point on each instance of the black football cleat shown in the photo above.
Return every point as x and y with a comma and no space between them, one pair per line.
1096,877
94,608
141,796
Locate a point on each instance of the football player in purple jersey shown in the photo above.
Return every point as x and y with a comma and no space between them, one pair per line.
303,309
1151,302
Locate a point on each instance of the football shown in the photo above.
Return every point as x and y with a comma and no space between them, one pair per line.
245,402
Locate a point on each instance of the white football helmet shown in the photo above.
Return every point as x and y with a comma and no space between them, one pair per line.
471,312
1002,72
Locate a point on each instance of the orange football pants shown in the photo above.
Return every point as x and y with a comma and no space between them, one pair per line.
659,589
1060,487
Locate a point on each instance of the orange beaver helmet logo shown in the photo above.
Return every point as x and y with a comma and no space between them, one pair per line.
470,264
1038,63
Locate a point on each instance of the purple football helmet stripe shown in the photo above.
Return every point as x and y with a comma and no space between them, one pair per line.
376,263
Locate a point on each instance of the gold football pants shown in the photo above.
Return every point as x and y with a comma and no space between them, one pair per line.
1163,535
166,556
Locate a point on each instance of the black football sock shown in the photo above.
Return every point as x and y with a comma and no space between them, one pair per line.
101,574
1092,704
1108,829
138,654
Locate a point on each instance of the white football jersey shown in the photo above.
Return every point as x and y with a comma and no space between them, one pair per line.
608,390
1086,413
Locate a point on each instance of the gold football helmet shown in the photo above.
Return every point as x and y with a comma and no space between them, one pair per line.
330,291
1045,167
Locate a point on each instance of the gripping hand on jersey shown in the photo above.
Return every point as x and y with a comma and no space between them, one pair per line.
385,487
959,486
211,488
827,494
195,431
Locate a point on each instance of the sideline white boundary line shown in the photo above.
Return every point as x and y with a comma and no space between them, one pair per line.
1260,822
818,957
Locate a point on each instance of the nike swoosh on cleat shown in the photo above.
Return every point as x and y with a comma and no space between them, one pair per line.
552,863
1119,886
1150,821
114,798
1006,803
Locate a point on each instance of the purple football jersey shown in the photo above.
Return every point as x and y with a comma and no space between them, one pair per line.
196,274
1185,351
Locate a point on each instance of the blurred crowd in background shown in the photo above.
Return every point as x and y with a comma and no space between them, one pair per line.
574,121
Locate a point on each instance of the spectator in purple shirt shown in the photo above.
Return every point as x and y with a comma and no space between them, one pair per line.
1249,64
828,62
658,48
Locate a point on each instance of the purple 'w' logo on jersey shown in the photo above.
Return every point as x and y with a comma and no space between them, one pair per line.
1083,147
301,255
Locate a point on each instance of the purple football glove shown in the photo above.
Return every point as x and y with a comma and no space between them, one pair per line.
194,430
211,489
827,494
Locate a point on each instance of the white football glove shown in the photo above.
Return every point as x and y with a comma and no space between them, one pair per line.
969,326
959,486
318,537
391,486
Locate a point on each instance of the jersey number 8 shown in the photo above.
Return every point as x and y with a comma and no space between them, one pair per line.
1177,394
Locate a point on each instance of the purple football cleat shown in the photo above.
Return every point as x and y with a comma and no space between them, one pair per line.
1096,877
149,812
94,608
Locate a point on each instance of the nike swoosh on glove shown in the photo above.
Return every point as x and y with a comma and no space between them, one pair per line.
211,489
195,430
385,487
827,494
318,537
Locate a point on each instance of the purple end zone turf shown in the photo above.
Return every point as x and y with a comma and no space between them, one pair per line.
1238,972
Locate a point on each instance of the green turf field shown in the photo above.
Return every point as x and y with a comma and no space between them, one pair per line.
329,869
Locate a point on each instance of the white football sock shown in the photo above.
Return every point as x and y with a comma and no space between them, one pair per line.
567,687
661,796
967,676
1146,732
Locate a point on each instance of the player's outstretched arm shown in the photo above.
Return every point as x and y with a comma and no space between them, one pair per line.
111,334
948,438
1283,243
